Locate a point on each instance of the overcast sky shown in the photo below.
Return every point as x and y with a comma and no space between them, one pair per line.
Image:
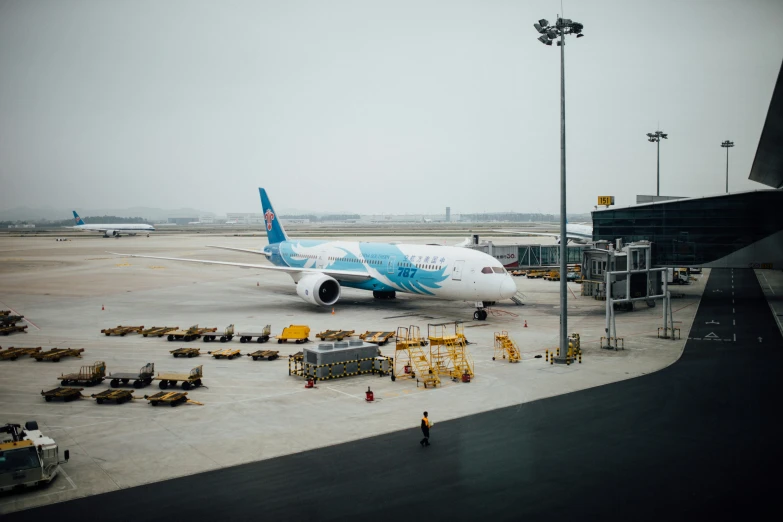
376,106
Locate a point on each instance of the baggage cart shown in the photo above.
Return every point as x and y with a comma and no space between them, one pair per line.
227,335
191,380
379,338
158,331
194,332
116,396
296,332
228,353
171,398
13,353
186,352
9,329
122,330
269,355
55,354
140,379
10,320
261,335
88,375
63,394
5,312
334,335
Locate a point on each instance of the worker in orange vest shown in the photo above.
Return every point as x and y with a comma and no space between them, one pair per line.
425,429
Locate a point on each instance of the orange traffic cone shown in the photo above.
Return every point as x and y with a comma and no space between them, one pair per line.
525,323
332,310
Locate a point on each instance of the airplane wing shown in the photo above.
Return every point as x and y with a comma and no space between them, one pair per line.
340,275
246,250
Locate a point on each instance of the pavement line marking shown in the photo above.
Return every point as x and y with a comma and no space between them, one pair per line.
68,478
734,322
340,391
733,311
769,285
735,338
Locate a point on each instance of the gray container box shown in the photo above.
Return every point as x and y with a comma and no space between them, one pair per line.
338,356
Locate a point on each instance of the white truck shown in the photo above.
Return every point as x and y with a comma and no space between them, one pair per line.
27,457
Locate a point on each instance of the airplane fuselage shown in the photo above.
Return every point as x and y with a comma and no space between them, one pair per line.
438,271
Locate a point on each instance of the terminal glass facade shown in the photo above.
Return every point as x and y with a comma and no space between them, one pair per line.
694,232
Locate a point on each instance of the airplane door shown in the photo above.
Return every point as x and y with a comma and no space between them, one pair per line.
321,261
390,266
456,273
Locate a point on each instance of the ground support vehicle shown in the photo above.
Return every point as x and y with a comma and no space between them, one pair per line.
5,312
379,338
158,331
261,336
269,355
296,332
13,353
88,375
122,330
140,380
227,335
64,394
534,274
8,320
171,398
55,354
116,396
186,352
334,335
29,458
7,329
191,380
228,353
194,332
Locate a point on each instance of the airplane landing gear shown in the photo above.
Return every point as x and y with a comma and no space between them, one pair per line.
384,295
480,314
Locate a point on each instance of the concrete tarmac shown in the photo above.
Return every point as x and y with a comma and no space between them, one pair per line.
697,439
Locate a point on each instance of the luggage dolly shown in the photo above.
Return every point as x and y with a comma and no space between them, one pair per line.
269,355
13,353
55,354
122,330
159,331
9,329
186,352
227,353
65,394
334,335
118,396
262,336
379,338
191,380
140,380
171,398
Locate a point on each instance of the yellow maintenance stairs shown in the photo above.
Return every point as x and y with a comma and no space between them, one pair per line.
410,360
448,350
506,348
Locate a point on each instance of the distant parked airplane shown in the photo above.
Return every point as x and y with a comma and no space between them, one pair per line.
576,233
319,268
113,230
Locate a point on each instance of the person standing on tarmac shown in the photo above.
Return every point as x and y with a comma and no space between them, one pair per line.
425,429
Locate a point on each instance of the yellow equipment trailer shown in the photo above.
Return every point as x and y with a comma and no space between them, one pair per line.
158,331
334,335
194,332
13,353
122,330
228,353
191,380
376,337
55,354
296,332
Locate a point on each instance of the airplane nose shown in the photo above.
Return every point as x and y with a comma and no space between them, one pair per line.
508,288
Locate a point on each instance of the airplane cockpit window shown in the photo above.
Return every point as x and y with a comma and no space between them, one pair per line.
486,270
499,270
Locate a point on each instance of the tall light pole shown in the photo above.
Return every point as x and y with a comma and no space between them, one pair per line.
727,144
655,137
562,27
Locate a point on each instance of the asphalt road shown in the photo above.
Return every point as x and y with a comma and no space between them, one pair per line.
700,439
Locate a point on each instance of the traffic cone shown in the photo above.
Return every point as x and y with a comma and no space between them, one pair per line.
333,310
525,323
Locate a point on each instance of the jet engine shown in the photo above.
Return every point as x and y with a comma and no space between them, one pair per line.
318,289
111,233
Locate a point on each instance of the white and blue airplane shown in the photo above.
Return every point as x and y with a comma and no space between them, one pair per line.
114,229
320,268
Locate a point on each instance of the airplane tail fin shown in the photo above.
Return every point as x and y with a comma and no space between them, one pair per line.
274,230
77,219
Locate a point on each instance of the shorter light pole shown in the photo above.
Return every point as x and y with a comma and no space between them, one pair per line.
655,137
727,145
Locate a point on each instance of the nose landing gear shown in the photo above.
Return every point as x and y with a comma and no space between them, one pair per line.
480,314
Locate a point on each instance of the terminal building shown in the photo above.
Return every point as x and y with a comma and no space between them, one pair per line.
740,230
